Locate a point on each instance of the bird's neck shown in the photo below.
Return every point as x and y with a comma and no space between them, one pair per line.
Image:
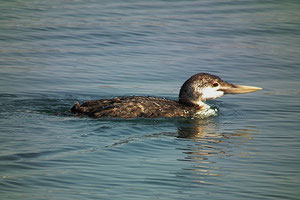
200,105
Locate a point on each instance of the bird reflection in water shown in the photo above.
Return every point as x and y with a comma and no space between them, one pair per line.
209,143
206,145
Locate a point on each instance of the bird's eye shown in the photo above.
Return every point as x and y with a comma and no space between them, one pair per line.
215,84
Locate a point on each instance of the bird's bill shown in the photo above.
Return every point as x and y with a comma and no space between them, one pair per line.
239,89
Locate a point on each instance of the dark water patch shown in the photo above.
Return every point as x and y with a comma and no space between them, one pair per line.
43,106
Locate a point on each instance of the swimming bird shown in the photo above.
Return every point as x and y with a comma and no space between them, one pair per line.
193,93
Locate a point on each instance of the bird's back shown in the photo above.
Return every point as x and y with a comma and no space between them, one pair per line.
133,107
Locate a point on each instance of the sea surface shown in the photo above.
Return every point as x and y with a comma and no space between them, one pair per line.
54,53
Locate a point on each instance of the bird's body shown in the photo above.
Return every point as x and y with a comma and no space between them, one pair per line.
134,107
193,93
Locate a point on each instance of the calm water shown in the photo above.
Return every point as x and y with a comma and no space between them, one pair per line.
53,53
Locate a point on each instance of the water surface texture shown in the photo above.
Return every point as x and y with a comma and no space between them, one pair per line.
54,53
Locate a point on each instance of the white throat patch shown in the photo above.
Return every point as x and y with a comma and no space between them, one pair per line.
211,93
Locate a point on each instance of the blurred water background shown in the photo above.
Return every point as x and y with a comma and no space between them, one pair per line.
54,53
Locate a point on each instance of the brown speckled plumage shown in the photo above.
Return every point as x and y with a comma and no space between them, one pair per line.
133,107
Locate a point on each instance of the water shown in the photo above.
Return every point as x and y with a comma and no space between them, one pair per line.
54,53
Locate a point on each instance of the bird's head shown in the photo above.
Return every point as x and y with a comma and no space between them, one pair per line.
201,87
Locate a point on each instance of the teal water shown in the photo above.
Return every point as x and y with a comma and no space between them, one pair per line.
54,53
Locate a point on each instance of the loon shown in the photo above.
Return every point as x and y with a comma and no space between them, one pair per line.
193,93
